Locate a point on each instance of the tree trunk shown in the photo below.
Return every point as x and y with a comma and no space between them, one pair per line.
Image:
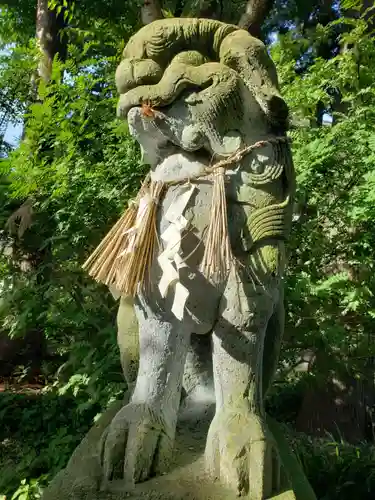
255,14
49,40
44,39
151,11
340,407
210,9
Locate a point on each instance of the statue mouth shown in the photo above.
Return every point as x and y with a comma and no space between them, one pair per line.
161,138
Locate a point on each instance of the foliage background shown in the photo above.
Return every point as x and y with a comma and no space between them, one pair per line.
79,166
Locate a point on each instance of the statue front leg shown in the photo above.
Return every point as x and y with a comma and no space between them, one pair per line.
240,449
139,441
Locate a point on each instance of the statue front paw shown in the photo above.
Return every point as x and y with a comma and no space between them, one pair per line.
241,453
136,445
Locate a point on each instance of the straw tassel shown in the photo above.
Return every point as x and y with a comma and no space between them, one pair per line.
218,257
101,265
113,262
134,263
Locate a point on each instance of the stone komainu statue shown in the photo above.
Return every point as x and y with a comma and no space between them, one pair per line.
201,97
194,91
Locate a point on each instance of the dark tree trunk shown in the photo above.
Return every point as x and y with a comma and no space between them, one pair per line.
151,11
50,40
210,9
255,14
339,407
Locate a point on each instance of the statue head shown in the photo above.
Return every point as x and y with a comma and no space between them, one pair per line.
198,86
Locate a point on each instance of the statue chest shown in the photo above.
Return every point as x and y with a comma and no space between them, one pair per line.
243,202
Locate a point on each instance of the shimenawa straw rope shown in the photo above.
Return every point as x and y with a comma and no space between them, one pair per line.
123,258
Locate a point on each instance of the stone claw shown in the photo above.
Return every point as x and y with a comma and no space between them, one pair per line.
241,453
136,445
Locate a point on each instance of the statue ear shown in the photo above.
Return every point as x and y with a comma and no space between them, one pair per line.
277,112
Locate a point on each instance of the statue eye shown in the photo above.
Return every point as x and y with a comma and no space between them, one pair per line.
262,159
257,167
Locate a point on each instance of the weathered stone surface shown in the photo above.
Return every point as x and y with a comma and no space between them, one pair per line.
187,479
127,339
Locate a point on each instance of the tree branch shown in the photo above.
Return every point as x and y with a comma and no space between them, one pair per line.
208,9
255,14
179,8
23,215
151,11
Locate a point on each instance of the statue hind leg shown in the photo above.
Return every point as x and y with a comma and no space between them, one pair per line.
198,375
199,398
139,440
272,344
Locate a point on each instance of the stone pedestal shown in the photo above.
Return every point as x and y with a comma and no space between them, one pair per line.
185,481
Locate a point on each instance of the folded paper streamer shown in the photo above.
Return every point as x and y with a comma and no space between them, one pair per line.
170,259
116,294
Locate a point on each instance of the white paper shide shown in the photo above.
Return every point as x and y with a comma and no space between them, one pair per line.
170,259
